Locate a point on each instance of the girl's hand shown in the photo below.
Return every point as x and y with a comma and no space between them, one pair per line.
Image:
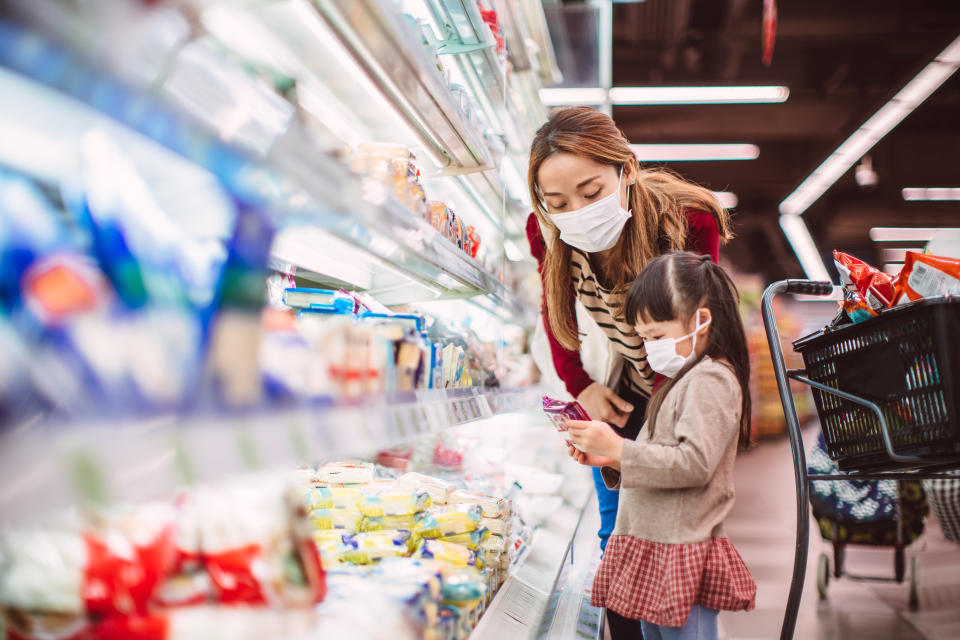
596,438
591,460
601,403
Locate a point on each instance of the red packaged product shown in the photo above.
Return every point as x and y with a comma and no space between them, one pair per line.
857,276
927,276
559,412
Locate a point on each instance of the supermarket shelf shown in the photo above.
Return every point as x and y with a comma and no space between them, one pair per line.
549,69
526,604
311,193
59,465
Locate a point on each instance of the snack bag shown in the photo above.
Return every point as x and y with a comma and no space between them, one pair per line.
857,276
927,276
856,308
559,412
393,503
451,521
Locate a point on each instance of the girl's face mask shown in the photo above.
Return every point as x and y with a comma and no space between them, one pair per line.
595,227
662,354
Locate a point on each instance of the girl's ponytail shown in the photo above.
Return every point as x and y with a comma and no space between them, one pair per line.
674,286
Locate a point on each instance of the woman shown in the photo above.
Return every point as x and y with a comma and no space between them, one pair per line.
598,219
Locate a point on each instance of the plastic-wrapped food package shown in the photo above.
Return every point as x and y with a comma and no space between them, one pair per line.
856,276
382,523
927,276
334,498
492,506
438,489
464,586
498,526
449,521
471,540
559,411
345,472
393,503
364,548
453,554
346,520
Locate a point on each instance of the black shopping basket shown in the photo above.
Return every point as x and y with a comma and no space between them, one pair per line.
907,362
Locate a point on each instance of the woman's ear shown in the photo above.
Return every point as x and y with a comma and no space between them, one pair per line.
630,172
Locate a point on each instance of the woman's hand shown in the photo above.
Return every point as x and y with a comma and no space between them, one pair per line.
591,460
601,403
596,438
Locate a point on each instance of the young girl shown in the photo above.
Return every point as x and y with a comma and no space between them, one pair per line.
668,562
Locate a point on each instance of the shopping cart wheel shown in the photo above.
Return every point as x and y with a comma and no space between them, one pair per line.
914,584
899,563
823,575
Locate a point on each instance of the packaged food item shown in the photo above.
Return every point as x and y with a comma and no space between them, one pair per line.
454,554
498,526
857,308
471,540
438,489
449,521
927,276
348,520
492,506
346,472
393,503
382,523
464,586
333,498
856,276
559,412
364,548
494,543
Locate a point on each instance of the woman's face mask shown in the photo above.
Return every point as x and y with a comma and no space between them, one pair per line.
596,226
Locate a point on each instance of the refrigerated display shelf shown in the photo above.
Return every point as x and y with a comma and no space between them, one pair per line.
410,257
49,466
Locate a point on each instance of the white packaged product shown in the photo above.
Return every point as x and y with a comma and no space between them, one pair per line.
438,489
345,472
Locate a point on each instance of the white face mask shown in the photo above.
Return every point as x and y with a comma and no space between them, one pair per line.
662,354
595,227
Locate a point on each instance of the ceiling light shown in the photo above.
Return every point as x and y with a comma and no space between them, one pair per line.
897,255
697,95
903,234
727,199
694,152
802,243
573,96
931,193
873,130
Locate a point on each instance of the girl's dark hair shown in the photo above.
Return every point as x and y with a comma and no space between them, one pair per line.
673,286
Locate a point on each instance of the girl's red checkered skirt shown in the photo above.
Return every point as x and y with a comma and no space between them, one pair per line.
660,583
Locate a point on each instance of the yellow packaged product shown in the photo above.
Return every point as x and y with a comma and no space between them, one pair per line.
492,506
471,540
333,498
454,554
389,522
449,521
393,503
498,526
346,520
364,548
438,489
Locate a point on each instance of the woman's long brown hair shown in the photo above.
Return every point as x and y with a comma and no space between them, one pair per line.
658,201
672,287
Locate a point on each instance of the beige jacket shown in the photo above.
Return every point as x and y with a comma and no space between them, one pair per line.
677,487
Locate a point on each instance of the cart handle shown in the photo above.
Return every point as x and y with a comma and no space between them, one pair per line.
808,287
884,429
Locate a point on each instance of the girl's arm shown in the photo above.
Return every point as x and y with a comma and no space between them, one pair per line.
708,422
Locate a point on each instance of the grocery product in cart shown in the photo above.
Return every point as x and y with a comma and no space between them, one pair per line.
926,276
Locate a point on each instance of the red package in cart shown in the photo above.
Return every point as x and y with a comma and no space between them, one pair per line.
857,276
559,412
926,276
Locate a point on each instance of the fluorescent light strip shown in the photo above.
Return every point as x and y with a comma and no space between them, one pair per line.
694,152
727,199
697,95
573,96
905,234
897,255
873,130
802,243
931,193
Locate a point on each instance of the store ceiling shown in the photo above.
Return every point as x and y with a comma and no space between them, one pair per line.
841,61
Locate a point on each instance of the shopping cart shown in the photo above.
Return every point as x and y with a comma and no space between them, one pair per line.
887,391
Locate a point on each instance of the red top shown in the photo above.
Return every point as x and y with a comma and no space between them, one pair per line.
703,236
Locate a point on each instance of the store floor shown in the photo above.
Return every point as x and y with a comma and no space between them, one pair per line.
762,527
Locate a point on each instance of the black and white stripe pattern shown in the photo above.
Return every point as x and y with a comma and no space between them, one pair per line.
606,308
944,497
